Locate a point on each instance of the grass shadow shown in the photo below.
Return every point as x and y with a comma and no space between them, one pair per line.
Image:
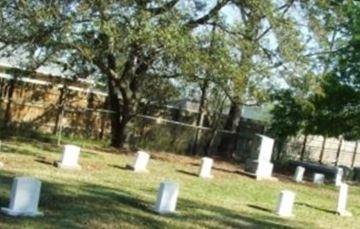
260,208
26,135
315,207
227,218
195,164
45,162
246,174
239,172
126,167
7,148
187,172
90,205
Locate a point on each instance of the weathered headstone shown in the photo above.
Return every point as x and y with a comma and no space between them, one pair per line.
24,199
319,178
141,162
339,176
299,174
259,162
70,158
206,165
342,200
167,197
285,203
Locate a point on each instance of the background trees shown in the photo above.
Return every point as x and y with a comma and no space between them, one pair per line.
332,109
145,51
130,45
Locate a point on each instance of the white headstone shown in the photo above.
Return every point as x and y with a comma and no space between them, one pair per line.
285,203
206,165
342,200
299,174
70,158
264,170
24,199
141,162
266,148
338,176
319,178
167,197
260,160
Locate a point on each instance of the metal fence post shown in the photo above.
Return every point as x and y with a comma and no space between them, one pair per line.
338,152
354,155
61,126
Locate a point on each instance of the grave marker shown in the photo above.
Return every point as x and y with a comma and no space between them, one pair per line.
69,158
299,174
141,161
342,200
259,162
24,199
338,176
285,203
319,178
206,165
167,197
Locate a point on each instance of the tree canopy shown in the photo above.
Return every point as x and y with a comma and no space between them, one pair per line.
333,110
143,50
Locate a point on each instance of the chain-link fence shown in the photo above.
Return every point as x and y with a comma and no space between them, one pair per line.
330,151
144,131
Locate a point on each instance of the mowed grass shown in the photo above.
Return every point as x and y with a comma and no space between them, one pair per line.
104,194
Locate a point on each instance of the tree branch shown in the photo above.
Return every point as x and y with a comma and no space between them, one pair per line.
209,15
164,8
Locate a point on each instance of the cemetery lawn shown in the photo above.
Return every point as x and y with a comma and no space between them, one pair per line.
104,194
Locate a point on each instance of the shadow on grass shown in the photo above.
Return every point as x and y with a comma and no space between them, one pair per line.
45,162
223,217
26,135
315,207
126,167
195,164
260,208
239,172
89,205
187,173
12,149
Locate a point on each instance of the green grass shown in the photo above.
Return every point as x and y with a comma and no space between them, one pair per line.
106,195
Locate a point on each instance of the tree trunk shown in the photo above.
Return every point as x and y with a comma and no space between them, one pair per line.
338,152
117,128
103,119
354,155
322,151
303,150
7,116
60,105
280,143
200,117
227,141
89,125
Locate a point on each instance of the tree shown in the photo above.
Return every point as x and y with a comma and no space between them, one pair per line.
339,104
130,45
332,111
259,22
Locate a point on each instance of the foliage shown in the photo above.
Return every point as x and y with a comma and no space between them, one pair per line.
128,45
290,114
334,109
